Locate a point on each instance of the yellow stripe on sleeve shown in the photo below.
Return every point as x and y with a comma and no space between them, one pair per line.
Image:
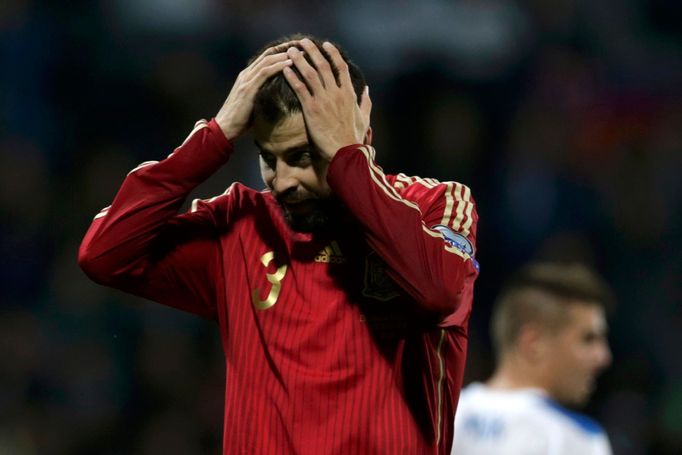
469,221
462,204
380,179
449,204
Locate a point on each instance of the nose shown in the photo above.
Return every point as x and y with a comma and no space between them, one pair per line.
603,356
285,179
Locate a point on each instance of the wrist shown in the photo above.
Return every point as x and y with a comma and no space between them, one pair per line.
224,142
229,131
329,151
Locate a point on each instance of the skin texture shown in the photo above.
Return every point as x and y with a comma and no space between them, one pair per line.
233,117
296,151
577,354
331,113
295,171
564,362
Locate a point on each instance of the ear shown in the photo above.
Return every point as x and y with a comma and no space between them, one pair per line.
368,137
532,343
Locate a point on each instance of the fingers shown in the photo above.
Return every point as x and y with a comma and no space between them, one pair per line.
366,103
251,79
310,75
318,77
269,60
341,65
270,65
278,49
324,69
297,85
284,46
272,69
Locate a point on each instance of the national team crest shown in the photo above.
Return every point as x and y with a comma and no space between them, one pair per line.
378,285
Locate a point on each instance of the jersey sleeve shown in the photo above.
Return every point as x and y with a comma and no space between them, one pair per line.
428,245
602,446
141,245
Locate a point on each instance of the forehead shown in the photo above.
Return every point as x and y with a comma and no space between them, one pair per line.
586,316
287,133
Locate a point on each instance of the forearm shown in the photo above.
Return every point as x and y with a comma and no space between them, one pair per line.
120,237
433,272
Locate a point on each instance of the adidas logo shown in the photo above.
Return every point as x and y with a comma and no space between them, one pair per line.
331,254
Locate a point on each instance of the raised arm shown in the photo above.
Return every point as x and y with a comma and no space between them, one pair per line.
140,244
427,245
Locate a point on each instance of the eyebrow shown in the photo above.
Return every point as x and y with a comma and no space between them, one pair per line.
292,149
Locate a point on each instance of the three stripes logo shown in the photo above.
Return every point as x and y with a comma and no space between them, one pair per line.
331,254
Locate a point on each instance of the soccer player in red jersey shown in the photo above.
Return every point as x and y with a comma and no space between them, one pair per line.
342,294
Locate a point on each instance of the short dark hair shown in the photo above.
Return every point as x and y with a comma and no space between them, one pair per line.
276,99
540,292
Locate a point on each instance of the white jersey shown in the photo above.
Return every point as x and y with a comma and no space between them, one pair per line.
522,422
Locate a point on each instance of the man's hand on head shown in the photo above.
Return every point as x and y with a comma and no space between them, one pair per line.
235,114
332,115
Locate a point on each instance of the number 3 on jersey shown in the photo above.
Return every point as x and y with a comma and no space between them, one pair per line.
274,278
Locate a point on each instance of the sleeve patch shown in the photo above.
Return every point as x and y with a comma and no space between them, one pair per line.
455,240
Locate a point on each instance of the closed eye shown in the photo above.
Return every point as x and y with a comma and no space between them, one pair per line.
269,159
300,158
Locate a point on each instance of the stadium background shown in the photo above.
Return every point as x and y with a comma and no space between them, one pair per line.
564,117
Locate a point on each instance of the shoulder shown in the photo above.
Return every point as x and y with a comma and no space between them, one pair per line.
236,192
449,203
574,431
515,407
446,207
237,198
478,396
524,420
494,421
577,420
429,190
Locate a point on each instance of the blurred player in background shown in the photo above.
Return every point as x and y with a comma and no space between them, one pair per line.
342,294
549,333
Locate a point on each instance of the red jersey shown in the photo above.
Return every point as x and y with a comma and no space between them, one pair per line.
347,341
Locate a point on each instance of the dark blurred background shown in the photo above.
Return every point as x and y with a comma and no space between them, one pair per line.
563,116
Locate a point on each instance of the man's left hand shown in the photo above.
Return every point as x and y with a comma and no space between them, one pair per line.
330,109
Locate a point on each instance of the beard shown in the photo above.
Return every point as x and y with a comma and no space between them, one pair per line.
324,214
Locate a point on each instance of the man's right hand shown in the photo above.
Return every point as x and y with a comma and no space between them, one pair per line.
235,113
